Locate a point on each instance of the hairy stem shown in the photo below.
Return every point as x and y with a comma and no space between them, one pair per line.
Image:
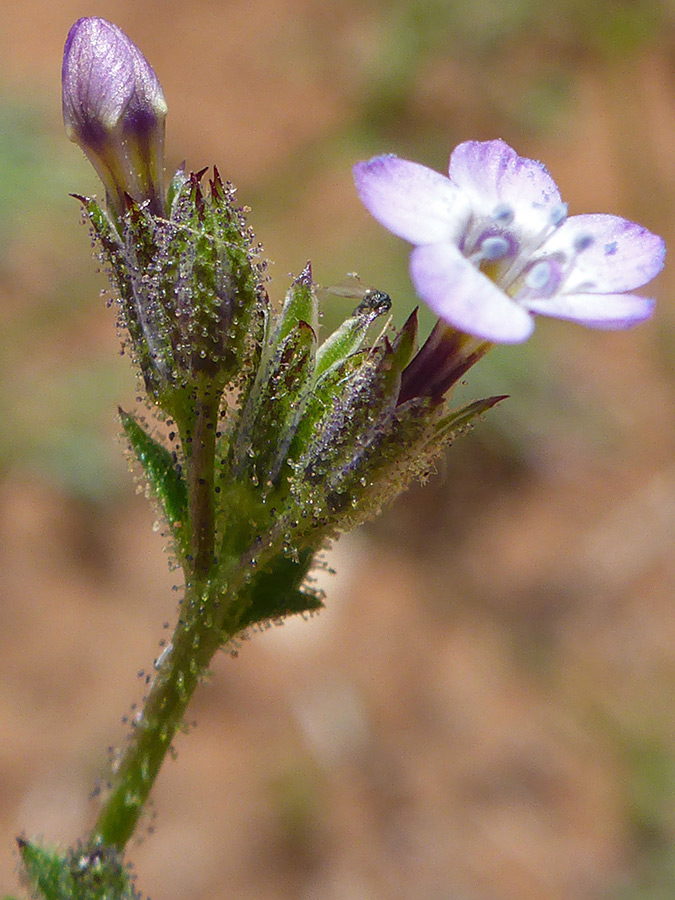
218,598
208,619
191,652
197,637
199,445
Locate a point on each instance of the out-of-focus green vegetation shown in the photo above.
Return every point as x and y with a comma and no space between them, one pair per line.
650,809
55,399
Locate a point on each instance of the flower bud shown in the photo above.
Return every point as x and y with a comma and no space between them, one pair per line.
114,109
190,289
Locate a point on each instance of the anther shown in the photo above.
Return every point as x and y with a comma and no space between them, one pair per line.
558,214
503,214
539,275
494,248
583,242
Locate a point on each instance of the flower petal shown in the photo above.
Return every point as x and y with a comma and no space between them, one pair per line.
622,255
493,174
414,202
461,295
610,311
97,76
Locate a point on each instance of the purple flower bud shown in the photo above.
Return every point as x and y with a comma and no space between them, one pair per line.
114,109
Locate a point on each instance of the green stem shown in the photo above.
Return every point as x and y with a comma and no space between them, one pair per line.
212,611
193,648
200,445
198,635
208,618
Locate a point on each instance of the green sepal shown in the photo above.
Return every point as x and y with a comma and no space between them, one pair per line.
459,420
121,270
277,592
47,873
349,337
211,278
275,407
190,288
102,224
301,305
322,401
342,377
164,478
405,342
94,873
359,409
405,449
175,185
146,314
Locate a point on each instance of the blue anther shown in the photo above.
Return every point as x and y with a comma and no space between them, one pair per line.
583,241
494,248
539,275
558,214
503,213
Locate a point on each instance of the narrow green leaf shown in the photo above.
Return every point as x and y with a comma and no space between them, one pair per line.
349,337
163,476
301,305
275,407
47,872
459,419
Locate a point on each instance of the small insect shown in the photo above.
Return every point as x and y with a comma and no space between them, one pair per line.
373,303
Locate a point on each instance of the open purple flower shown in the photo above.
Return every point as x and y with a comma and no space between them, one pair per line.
114,108
494,244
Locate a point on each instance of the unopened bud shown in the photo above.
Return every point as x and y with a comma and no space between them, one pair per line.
114,109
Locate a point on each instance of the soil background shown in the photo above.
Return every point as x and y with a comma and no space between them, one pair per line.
485,710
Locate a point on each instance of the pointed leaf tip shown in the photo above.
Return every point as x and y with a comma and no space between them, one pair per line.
197,176
305,277
465,416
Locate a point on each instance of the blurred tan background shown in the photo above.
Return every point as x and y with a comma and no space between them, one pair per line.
486,709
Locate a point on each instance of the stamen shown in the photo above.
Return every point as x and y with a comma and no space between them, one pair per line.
548,276
539,275
558,215
503,214
583,242
494,248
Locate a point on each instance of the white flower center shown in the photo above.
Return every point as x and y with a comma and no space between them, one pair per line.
504,253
